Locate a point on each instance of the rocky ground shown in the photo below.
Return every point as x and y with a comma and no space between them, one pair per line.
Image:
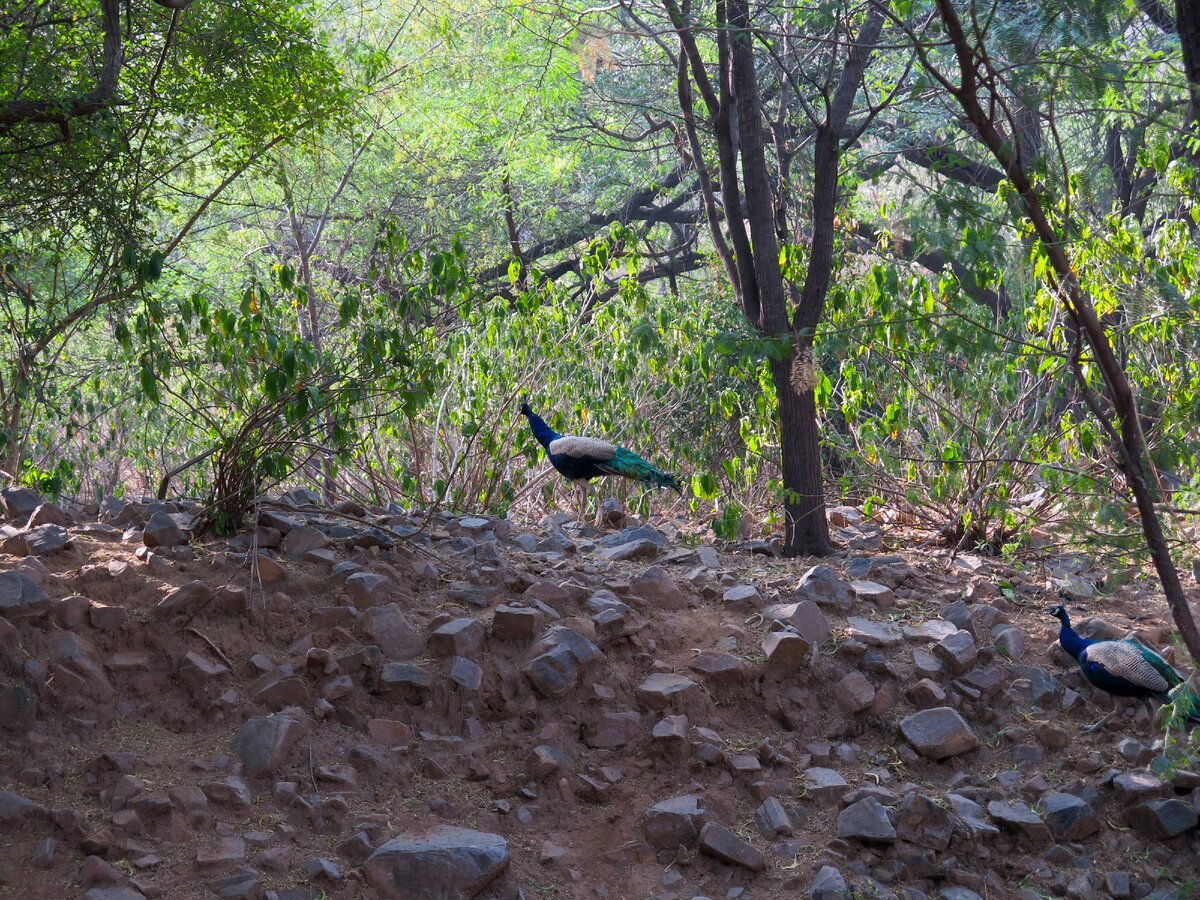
364,703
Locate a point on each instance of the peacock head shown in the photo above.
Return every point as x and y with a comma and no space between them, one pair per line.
525,408
1060,612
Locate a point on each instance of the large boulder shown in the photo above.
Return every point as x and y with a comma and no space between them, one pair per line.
445,864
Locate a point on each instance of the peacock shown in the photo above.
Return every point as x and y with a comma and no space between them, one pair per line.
1126,669
581,459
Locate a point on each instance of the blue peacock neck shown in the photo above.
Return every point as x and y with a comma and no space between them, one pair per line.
543,432
1071,642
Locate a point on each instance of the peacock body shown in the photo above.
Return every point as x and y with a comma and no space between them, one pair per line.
1125,668
583,458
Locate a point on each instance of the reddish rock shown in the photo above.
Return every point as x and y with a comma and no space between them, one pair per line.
854,693
458,637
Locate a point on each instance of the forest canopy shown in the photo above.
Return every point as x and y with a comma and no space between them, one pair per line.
935,259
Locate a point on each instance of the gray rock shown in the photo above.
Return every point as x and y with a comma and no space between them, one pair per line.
638,549
404,675
1043,688
19,502
1162,819
163,531
516,623
302,539
389,628
458,637
446,864
634,534
926,694
786,652
1068,817
40,541
938,733
823,586
16,810
873,592
743,595
188,599
772,819
673,822
662,690
824,785
929,632
1016,816
366,588
957,651
866,820
873,634
854,693
613,729
971,816
18,707
263,742
112,892
720,843
559,658
21,596
923,822
466,673
659,589
829,885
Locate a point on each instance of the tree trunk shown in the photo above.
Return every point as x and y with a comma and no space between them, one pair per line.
800,456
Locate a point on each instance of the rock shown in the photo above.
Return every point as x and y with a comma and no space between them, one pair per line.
717,666
43,854
404,675
229,851
674,822
243,883
720,843
367,588
516,623
112,892
188,599
824,785
40,541
301,539
1009,641
444,864
16,810
970,815
613,730
1134,786
198,671
873,634
854,693
18,707
786,652
829,885
1068,817
279,688
923,822
21,596
866,820
560,657
162,531
662,690
17,502
388,627
1042,687
926,694
636,533
1162,819
263,742
389,732
466,673
479,595
636,549
823,586
458,637
957,651
1019,817
772,819
658,589
545,761
322,869
873,592
938,733
746,595
230,791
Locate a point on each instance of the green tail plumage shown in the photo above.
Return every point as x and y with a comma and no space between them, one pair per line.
628,464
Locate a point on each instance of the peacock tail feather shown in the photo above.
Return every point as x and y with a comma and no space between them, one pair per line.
628,464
